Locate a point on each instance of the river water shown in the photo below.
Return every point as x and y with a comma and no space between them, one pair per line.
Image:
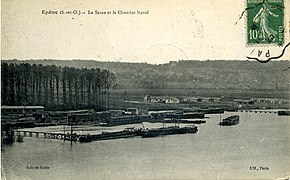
260,140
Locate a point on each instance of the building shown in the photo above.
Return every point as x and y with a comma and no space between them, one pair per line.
202,99
270,101
78,116
165,100
21,109
133,111
243,101
147,99
172,100
115,113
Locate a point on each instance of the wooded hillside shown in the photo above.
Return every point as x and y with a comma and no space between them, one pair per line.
221,74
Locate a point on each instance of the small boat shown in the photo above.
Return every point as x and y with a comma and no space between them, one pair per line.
8,137
229,121
19,138
86,138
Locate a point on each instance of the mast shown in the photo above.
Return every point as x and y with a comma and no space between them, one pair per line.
64,128
71,132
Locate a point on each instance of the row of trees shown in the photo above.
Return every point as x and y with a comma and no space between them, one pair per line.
55,87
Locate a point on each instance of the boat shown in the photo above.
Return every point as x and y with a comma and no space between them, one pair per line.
130,119
184,121
283,113
177,115
86,138
19,138
211,111
193,115
232,120
168,131
7,136
126,133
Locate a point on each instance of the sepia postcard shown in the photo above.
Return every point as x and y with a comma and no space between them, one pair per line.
145,89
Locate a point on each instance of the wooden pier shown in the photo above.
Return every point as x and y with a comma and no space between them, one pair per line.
47,135
258,111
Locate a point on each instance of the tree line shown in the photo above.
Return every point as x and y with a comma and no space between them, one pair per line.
55,88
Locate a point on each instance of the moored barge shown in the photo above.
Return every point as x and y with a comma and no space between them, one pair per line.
168,131
229,121
126,133
283,113
184,121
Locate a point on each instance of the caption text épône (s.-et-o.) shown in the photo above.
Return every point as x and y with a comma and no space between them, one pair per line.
95,12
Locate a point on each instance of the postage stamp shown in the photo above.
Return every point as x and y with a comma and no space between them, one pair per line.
265,22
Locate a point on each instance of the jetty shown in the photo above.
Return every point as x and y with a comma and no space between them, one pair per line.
47,135
126,133
258,111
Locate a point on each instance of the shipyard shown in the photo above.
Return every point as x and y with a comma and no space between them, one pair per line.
55,116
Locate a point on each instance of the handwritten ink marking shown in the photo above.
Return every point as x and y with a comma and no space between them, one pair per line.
275,57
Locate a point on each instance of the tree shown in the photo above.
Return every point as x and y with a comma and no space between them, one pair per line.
25,84
5,83
64,75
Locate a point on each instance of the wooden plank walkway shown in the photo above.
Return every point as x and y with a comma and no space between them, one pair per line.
258,111
46,135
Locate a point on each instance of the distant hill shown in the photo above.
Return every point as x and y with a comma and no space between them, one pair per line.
189,74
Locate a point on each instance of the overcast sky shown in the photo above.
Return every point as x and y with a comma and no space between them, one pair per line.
173,30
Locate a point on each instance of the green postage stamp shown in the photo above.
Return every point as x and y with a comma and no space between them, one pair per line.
265,22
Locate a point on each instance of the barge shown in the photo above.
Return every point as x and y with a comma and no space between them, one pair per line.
168,131
126,133
184,121
211,111
132,132
229,121
283,113
122,120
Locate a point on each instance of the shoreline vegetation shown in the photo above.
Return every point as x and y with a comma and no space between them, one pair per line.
55,87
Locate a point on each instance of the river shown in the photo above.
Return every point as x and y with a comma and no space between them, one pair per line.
260,140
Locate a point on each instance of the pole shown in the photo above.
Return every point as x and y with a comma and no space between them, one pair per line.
71,132
64,132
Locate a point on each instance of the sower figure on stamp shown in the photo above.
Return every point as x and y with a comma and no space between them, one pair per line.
262,16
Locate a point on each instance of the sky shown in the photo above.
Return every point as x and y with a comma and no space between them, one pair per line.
173,30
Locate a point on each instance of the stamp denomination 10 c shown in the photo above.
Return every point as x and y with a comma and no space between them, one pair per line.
265,22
